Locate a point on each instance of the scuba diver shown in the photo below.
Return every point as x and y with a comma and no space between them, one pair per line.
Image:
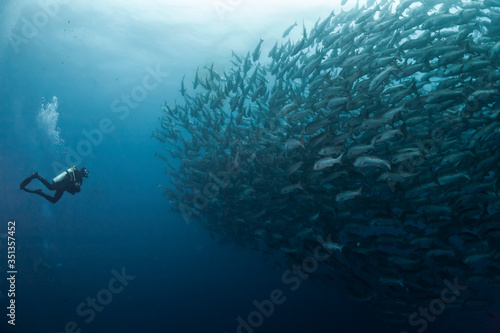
69,181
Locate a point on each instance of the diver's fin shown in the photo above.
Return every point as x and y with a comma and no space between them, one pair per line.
39,191
27,180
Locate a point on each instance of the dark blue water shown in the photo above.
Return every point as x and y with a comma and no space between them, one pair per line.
114,258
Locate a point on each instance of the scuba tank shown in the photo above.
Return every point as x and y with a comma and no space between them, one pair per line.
63,174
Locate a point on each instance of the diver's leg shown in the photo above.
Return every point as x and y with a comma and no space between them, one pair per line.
45,182
54,199
58,195
25,182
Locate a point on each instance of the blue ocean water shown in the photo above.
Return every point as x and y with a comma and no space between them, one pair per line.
82,84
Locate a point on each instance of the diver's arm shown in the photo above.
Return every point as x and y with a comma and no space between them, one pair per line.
74,188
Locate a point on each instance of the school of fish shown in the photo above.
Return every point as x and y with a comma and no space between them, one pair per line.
376,135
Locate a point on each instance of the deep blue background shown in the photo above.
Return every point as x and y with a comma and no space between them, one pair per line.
185,281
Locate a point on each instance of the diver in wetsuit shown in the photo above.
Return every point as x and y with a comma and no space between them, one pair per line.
69,181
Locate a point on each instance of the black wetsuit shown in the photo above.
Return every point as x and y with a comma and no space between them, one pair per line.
71,183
